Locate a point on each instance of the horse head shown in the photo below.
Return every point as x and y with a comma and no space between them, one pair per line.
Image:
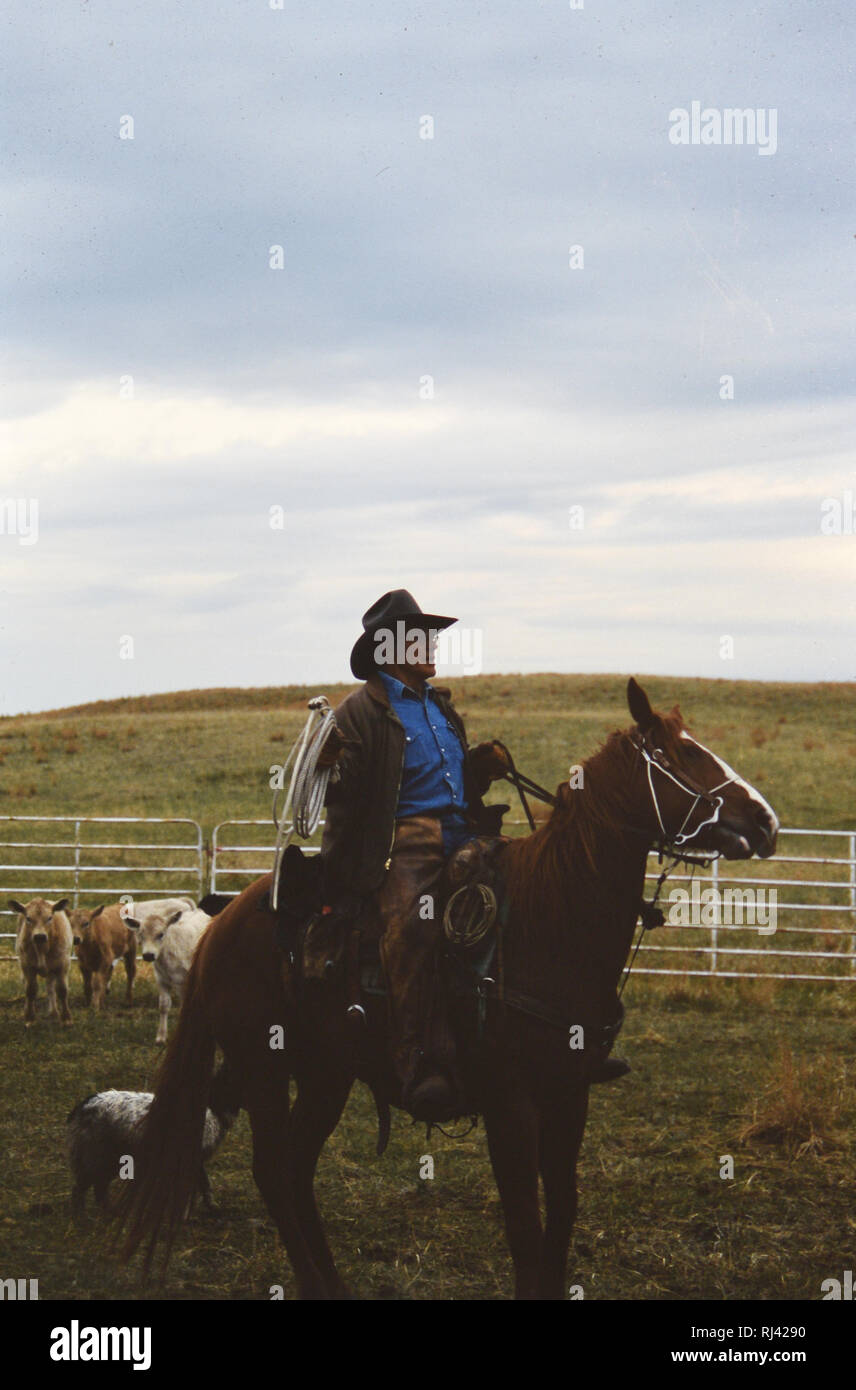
698,804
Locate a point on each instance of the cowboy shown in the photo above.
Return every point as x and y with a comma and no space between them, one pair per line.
405,793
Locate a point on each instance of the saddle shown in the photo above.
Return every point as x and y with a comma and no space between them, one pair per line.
310,931
337,942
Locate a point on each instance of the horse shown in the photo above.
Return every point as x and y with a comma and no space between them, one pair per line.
572,890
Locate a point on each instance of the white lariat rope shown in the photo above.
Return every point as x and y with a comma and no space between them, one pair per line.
304,803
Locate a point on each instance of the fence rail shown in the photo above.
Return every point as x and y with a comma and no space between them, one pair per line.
813,936
90,864
818,927
235,865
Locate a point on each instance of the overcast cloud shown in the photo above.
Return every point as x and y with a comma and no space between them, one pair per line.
403,259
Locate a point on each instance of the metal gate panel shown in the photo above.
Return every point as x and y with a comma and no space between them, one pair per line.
91,864
815,928
234,865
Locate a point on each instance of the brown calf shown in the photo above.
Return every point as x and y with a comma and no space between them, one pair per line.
100,938
43,947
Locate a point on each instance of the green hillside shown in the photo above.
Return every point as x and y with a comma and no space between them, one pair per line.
207,753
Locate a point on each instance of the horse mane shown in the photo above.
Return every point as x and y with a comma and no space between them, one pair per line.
538,867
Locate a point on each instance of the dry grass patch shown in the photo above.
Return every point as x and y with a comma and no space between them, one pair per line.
799,1109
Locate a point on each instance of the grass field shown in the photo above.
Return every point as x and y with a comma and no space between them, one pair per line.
762,1072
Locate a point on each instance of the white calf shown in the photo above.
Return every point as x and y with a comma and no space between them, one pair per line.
168,932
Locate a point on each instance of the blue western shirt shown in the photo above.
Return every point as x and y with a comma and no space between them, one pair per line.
432,781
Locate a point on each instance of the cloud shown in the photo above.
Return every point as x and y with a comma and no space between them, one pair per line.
407,259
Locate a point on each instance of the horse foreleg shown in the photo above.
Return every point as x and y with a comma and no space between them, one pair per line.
269,1119
317,1111
511,1124
561,1134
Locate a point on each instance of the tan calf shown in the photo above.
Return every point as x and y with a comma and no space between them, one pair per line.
101,938
43,947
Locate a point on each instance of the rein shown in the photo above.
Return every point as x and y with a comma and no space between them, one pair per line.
524,784
651,915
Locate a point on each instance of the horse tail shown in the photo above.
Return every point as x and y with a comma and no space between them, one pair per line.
168,1155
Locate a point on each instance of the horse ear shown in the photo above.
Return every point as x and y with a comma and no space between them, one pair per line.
639,705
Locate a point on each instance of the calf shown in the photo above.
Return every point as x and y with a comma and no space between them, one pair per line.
43,947
101,938
105,1129
168,933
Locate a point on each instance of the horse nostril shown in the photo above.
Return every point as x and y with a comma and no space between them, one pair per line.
768,826
766,823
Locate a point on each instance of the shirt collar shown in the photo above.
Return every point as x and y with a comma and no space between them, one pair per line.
398,690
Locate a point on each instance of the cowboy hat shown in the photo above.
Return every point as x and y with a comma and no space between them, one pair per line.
396,606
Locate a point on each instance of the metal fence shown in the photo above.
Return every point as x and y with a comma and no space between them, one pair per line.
717,929
76,857
813,875
235,863
810,934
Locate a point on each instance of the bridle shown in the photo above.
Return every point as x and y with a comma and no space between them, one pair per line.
655,760
670,847
672,844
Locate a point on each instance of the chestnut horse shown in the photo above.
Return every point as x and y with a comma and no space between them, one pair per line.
573,890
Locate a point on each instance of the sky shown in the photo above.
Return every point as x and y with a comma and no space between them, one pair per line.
303,303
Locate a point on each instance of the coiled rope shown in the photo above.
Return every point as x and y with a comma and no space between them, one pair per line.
307,789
